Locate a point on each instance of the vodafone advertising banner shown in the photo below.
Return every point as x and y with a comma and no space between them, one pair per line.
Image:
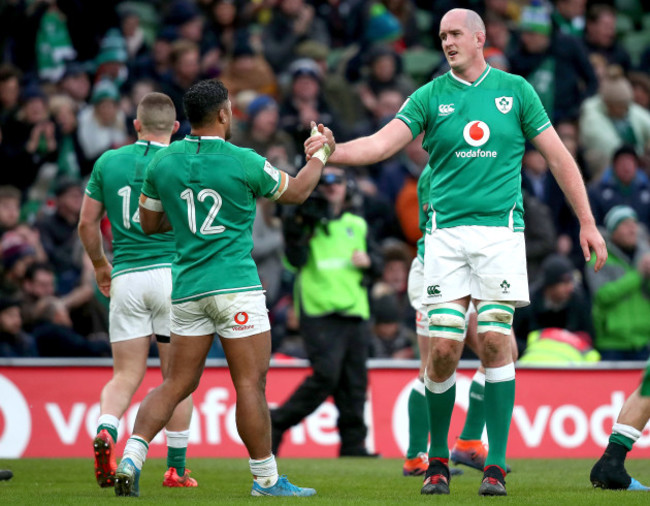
52,412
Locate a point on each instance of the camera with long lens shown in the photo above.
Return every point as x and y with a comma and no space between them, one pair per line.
313,211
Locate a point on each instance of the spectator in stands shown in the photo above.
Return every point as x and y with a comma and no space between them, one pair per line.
293,22
9,91
569,16
391,338
389,174
620,291
397,258
29,140
16,258
156,63
39,282
14,342
556,301
305,102
102,125
134,36
497,33
600,36
336,89
405,12
509,10
53,44
555,64
344,20
110,63
247,70
9,209
59,234
189,22
383,71
12,231
537,181
224,21
640,82
406,202
76,84
260,130
539,233
55,337
622,184
70,154
611,119
185,71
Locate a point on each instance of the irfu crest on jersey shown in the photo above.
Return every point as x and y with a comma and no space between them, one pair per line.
504,104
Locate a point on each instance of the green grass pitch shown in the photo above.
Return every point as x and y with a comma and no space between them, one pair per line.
338,481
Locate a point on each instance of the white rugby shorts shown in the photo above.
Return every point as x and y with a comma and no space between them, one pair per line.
230,315
140,304
488,263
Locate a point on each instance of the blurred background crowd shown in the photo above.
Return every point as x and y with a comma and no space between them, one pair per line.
73,72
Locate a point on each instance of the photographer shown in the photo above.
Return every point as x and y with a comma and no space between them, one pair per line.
329,247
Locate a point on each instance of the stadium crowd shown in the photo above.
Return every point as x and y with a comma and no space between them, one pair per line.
72,74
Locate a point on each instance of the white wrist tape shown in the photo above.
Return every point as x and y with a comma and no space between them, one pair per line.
323,153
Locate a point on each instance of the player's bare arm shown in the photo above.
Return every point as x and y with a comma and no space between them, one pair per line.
92,212
153,218
567,174
365,150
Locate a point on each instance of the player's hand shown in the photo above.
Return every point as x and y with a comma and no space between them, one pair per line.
590,239
103,277
316,141
360,259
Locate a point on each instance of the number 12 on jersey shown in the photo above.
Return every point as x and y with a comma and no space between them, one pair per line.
207,228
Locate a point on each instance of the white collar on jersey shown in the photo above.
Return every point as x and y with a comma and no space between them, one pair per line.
142,142
475,83
196,138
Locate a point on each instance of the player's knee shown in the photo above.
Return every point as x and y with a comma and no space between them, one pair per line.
495,316
128,380
447,320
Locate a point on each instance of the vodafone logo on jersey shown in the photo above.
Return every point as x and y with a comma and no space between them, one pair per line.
476,133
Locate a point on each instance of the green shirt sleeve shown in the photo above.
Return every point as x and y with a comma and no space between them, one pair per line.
95,187
262,178
414,111
534,119
149,185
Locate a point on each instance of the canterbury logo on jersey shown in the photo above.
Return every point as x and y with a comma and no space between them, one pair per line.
445,109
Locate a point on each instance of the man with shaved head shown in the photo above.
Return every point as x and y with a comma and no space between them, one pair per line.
476,121
138,282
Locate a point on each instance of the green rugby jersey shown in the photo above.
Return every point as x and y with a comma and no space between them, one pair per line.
424,184
207,188
116,181
475,135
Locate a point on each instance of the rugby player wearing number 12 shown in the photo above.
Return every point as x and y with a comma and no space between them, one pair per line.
205,188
